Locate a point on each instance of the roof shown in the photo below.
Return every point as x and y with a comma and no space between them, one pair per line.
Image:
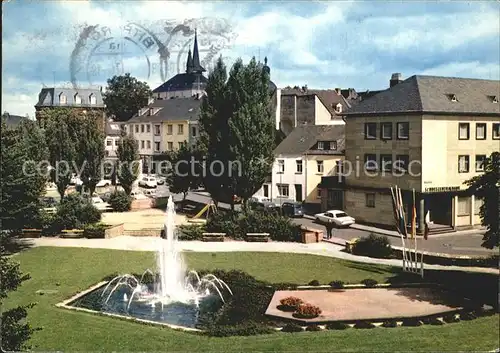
13,120
329,97
303,137
113,128
170,109
432,94
180,82
49,97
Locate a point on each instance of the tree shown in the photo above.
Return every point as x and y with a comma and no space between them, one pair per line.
186,170
124,96
91,152
62,150
128,156
487,187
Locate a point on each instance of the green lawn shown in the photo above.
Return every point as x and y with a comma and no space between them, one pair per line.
70,270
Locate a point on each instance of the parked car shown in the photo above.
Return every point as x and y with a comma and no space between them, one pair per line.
148,182
292,209
100,204
266,206
337,217
259,199
137,194
103,183
160,180
150,193
75,180
106,196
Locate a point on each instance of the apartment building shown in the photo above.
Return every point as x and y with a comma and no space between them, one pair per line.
302,158
425,133
113,135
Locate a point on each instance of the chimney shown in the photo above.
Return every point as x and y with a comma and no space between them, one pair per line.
395,79
337,90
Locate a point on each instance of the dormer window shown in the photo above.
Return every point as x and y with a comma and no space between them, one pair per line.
62,98
78,99
333,145
494,99
92,99
452,98
150,111
338,108
321,145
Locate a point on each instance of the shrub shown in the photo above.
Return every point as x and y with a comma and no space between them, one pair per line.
370,283
390,323
290,303
337,326
337,284
224,222
314,282
190,231
432,321
120,201
93,231
291,328
244,329
313,328
412,322
307,311
75,212
467,316
450,318
373,246
364,325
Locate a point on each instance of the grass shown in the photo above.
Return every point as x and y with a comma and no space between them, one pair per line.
70,270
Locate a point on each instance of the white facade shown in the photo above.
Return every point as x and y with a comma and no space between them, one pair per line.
111,146
288,179
143,133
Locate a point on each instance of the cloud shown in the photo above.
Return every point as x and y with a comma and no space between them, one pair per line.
321,44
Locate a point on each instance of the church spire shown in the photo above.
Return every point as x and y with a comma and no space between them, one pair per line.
196,56
189,63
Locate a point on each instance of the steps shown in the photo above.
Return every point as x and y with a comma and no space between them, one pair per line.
440,229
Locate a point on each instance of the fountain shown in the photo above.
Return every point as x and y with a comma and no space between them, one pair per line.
172,287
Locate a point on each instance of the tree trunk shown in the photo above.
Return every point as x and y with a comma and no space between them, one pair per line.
61,188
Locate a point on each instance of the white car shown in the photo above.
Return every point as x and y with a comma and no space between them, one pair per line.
148,182
137,195
75,180
100,204
103,183
150,193
339,218
259,199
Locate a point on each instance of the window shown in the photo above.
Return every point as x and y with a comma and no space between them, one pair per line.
463,206
150,111
281,166
370,200
116,142
142,143
92,99
149,144
193,131
401,162
496,131
109,142
157,130
180,129
386,131
386,162
181,144
480,159
283,190
148,128
403,131
321,145
266,190
170,146
142,127
463,164
463,131
319,166
370,131
157,146
494,99
137,128
78,99
371,161
453,98
338,108
169,129
477,205
299,166
62,99
318,195
333,145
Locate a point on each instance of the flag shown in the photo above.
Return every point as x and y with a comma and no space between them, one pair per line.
414,218
426,228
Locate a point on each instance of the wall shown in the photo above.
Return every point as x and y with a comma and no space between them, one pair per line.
111,150
179,94
175,137
323,115
357,147
441,148
142,136
382,213
289,176
306,110
314,178
288,113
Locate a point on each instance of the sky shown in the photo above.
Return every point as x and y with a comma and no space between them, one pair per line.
321,44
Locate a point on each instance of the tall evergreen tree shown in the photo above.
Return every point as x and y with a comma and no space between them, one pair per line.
487,187
186,173
128,157
91,152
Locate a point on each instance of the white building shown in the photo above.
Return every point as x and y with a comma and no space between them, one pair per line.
113,134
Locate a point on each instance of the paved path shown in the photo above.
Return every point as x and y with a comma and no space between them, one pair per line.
151,244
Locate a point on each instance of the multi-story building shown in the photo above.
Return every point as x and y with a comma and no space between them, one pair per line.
13,121
113,135
302,158
164,125
426,133
82,99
